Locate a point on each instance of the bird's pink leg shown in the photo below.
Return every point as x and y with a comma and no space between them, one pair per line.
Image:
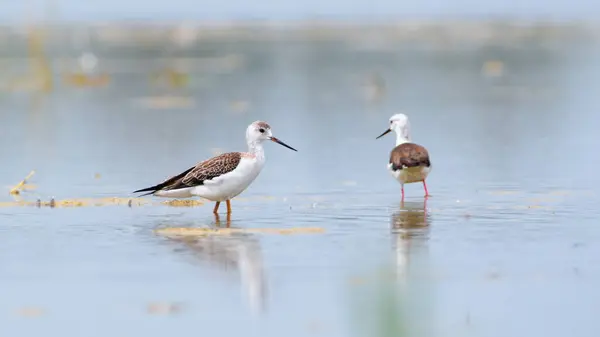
425,187
402,192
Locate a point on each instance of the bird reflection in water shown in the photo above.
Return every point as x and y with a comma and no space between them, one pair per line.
415,306
218,221
233,251
410,230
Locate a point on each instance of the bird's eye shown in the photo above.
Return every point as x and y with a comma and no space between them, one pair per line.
261,130
391,122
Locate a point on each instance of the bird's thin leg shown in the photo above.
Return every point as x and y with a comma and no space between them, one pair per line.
425,187
228,207
402,192
216,207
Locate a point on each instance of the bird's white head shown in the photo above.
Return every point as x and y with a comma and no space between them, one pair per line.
399,123
258,132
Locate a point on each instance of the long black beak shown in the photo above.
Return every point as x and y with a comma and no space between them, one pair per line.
282,143
385,133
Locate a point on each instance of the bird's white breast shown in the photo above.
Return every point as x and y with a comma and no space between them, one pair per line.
231,184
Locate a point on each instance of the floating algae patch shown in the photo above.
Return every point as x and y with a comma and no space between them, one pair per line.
64,203
96,202
182,231
81,80
93,202
16,190
183,203
166,102
77,202
19,203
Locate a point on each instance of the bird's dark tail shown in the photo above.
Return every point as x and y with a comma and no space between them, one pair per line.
168,182
150,189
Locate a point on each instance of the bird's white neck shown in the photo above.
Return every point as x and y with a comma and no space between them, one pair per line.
402,135
402,138
256,148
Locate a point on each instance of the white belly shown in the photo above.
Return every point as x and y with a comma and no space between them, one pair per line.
224,187
228,188
410,175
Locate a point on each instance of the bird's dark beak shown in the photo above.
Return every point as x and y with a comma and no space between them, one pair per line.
282,143
385,133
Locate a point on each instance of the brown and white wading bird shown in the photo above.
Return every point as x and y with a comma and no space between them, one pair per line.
409,162
223,177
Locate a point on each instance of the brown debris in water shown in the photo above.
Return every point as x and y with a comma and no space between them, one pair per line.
30,312
164,308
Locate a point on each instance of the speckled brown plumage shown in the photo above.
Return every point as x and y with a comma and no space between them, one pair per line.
195,176
209,169
409,155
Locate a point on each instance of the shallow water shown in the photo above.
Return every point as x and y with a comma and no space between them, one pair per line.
507,244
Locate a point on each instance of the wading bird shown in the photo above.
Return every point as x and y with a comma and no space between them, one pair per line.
223,177
409,162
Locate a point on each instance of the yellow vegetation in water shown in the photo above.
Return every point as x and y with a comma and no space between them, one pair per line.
16,203
21,185
87,202
182,231
166,102
79,79
183,203
78,202
96,202
493,68
171,77
40,72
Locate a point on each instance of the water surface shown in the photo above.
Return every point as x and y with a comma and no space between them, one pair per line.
506,245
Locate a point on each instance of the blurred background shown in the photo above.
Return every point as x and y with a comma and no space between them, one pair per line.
100,98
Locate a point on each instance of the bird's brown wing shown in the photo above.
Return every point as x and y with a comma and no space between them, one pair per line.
207,170
196,175
409,155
